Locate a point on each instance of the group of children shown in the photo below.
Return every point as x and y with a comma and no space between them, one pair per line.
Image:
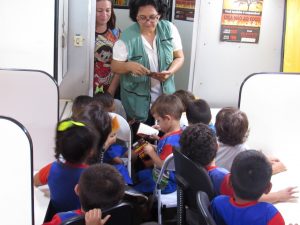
219,148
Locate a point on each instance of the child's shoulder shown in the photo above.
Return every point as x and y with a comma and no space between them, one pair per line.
173,134
221,199
67,215
171,138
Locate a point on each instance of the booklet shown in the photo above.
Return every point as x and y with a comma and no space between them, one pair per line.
146,130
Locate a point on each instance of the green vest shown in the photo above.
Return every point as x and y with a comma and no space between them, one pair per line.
135,90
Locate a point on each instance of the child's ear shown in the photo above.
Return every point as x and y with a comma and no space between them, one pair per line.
268,189
167,117
76,189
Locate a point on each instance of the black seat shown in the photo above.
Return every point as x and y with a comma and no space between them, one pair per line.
190,179
203,204
120,214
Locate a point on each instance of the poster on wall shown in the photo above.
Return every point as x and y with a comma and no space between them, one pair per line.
241,20
185,10
121,3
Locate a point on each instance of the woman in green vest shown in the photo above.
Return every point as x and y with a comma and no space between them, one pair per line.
147,55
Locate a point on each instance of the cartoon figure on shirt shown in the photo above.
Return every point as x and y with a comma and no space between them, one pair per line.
102,71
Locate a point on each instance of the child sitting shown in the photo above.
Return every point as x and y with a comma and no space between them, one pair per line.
114,152
109,103
79,104
198,111
166,110
200,145
95,117
186,97
232,132
250,178
100,186
74,143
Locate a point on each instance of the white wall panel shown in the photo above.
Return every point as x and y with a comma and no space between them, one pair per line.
27,34
220,67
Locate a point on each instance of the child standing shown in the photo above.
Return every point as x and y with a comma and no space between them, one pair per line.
99,187
250,178
74,143
166,110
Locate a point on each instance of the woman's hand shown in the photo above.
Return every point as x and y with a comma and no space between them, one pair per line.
161,76
137,69
94,217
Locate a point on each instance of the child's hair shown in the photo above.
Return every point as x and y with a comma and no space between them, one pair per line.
96,117
231,126
168,105
198,111
185,96
100,186
74,141
105,99
198,143
250,174
79,103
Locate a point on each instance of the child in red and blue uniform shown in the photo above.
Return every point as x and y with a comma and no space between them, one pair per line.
166,110
100,186
114,152
250,177
74,143
199,143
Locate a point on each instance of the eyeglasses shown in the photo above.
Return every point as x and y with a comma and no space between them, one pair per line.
144,19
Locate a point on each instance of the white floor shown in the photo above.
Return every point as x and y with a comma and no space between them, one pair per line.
41,201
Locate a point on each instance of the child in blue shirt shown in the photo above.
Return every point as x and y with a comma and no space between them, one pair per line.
99,187
114,152
74,143
250,178
166,110
200,145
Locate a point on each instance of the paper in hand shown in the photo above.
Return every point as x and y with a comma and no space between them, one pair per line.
146,130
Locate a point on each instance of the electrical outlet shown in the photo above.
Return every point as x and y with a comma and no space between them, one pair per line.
78,40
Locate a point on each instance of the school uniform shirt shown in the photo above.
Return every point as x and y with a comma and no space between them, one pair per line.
62,179
220,179
226,211
61,217
116,150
